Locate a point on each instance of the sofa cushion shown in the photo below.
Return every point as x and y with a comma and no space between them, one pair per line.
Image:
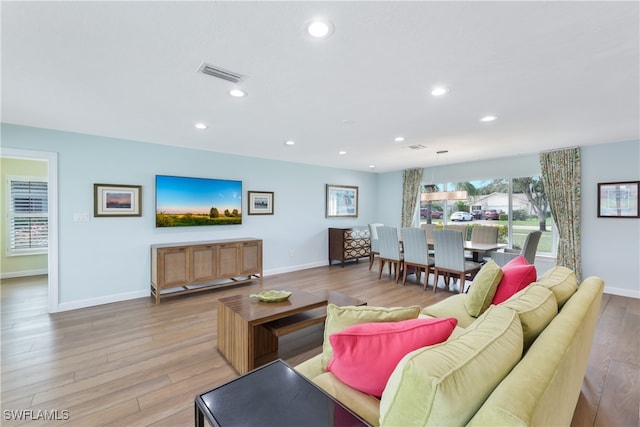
536,306
446,383
483,289
562,281
516,275
452,306
339,318
364,355
364,405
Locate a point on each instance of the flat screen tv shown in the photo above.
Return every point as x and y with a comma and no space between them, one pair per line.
183,201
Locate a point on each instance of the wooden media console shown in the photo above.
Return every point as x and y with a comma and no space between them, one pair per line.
179,268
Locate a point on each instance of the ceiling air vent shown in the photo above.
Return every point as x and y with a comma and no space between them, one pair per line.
220,73
416,147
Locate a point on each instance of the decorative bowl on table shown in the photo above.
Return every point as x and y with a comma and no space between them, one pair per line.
272,296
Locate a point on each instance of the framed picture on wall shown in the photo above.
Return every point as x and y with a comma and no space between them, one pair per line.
342,201
260,202
618,199
116,200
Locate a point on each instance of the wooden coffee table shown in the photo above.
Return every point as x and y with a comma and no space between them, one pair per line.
248,329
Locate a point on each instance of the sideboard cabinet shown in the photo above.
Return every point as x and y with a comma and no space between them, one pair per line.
179,268
349,243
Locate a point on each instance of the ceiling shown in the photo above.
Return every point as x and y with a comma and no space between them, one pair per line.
556,74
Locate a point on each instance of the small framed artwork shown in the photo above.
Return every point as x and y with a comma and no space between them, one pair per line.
116,200
342,201
260,202
618,199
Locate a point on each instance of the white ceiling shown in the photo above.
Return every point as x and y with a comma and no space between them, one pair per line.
557,74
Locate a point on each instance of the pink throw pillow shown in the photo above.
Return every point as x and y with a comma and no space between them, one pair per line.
517,274
365,355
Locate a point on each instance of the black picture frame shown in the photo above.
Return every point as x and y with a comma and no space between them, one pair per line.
618,199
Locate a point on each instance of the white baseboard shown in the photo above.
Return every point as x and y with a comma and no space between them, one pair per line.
108,299
632,293
291,268
24,273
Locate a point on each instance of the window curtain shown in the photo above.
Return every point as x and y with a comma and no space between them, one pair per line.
562,181
411,181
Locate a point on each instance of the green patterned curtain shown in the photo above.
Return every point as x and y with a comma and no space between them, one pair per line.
411,181
562,181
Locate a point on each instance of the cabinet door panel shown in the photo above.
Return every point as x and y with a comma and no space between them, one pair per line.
203,263
228,260
173,267
250,258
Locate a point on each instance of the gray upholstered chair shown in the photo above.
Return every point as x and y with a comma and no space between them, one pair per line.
416,253
529,249
483,234
373,238
449,258
429,229
389,245
458,227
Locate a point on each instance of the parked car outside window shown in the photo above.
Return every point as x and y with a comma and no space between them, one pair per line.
477,214
491,214
434,214
461,216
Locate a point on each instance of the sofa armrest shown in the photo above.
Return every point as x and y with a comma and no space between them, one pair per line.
364,405
311,368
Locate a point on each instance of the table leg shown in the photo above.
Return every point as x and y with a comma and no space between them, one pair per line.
198,416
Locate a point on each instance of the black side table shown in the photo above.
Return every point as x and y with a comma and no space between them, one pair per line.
272,395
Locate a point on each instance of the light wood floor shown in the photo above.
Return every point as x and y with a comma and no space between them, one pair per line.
138,363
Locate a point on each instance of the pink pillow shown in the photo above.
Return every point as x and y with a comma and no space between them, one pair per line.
517,274
365,355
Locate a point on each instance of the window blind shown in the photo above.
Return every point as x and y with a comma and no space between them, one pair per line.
28,216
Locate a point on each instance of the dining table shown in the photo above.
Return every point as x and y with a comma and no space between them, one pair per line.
477,249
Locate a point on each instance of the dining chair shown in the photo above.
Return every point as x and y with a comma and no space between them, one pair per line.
389,245
458,227
449,258
483,234
429,229
416,253
373,238
529,249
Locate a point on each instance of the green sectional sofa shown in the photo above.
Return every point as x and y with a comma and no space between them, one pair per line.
520,363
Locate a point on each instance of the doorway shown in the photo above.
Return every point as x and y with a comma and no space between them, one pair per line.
51,159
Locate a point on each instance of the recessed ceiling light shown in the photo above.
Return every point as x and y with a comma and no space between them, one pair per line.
439,91
238,93
200,126
319,28
289,142
488,118
399,139
342,153
372,166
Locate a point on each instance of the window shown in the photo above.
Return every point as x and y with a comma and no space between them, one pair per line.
28,220
517,206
